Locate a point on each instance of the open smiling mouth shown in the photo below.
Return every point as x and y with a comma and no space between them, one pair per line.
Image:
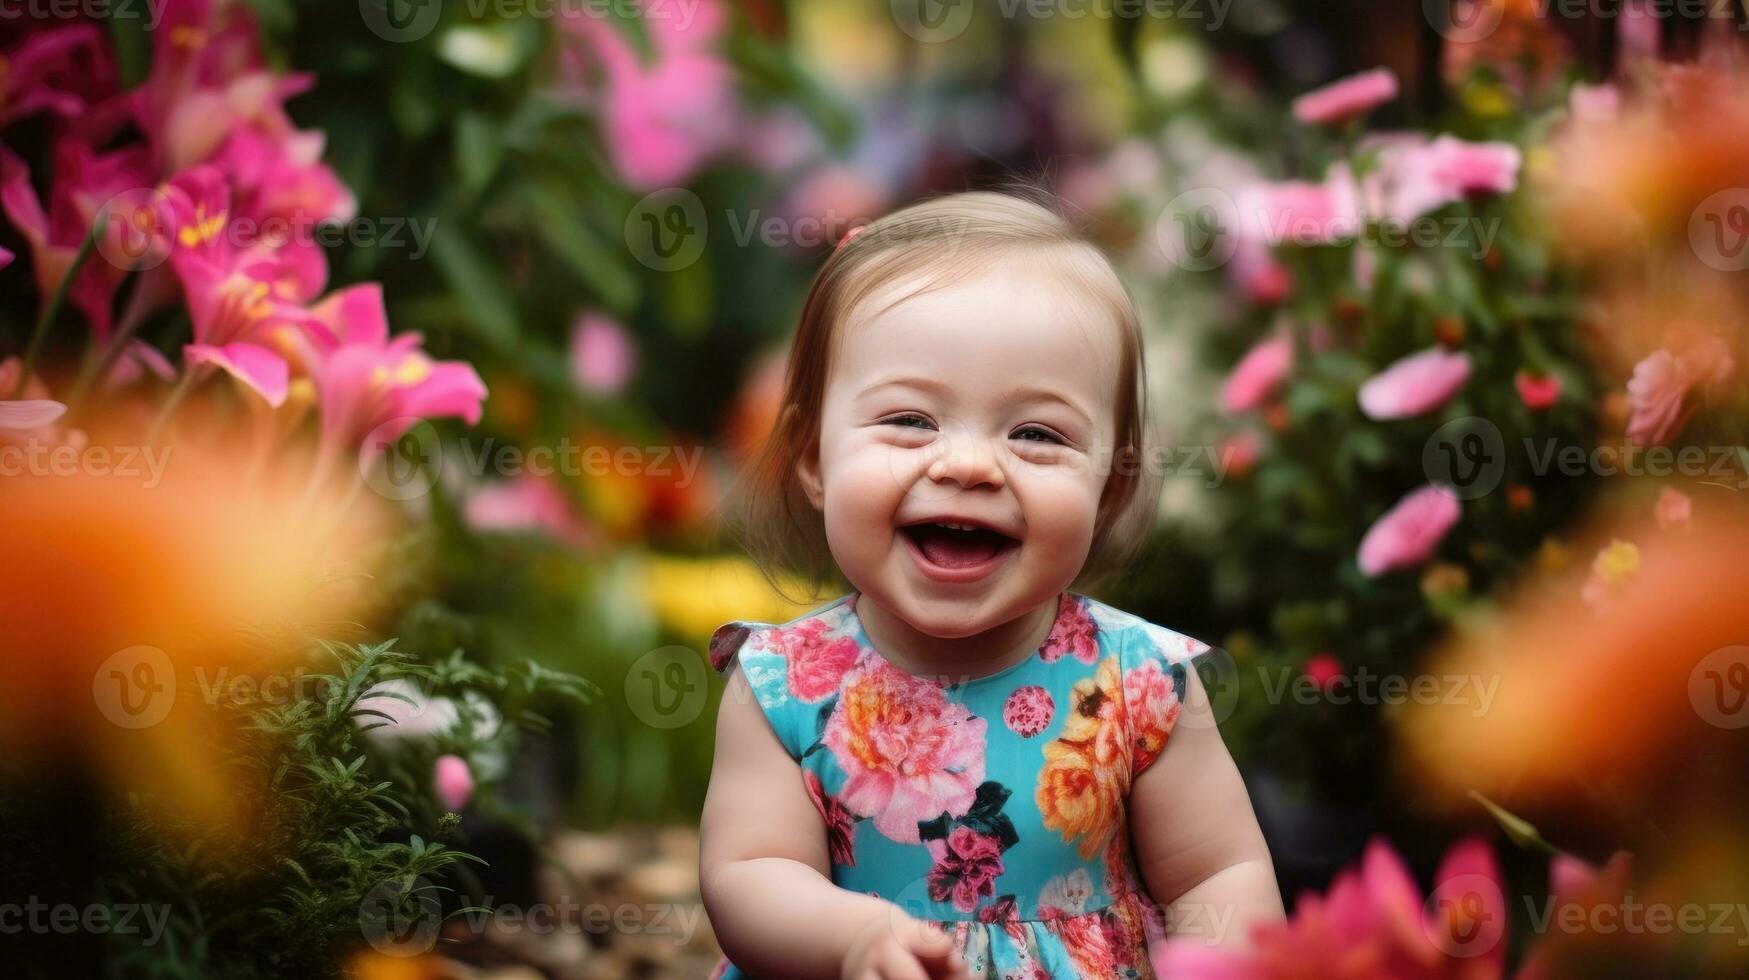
957,546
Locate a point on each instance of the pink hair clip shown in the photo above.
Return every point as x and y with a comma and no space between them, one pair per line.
852,233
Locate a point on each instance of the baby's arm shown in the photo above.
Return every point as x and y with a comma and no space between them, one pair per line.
1197,842
765,876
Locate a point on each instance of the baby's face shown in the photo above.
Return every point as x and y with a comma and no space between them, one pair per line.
990,402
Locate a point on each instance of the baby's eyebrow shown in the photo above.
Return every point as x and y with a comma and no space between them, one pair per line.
1024,393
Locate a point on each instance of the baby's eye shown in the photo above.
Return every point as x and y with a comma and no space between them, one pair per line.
912,421
1041,433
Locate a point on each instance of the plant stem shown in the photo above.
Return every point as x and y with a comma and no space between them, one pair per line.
52,309
172,403
96,371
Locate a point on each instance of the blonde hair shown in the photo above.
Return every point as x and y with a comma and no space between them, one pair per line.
947,238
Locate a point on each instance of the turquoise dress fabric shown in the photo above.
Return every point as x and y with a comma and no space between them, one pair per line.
995,805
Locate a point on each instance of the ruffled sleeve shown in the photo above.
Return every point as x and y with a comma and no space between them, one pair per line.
1156,662
764,666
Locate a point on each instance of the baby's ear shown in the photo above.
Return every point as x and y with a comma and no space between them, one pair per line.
808,472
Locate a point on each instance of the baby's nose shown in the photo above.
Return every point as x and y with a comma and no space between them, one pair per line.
969,462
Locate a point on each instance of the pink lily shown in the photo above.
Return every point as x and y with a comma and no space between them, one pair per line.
664,117
368,383
64,71
27,416
84,182
245,303
1414,384
1372,924
1407,534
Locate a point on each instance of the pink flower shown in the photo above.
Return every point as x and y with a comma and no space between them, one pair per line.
1298,212
1413,176
1073,633
1151,708
64,71
1240,452
1349,97
368,383
1415,384
1407,533
1658,390
1254,268
1674,508
454,781
27,416
245,303
817,662
84,180
1593,102
967,865
840,822
1372,923
602,355
1538,392
909,754
1028,710
665,116
1322,669
1262,369
526,503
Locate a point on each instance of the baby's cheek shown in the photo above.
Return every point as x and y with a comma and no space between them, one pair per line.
1060,509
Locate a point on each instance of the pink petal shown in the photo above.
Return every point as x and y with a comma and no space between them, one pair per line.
454,781
1407,534
1349,97
1258,373
1415,384
29,413
259,368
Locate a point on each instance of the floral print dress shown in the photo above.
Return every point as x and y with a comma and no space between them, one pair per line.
994,806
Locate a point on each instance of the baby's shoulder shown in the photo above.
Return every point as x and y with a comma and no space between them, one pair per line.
1136,640
745,640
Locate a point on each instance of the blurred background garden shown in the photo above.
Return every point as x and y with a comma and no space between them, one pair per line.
376,374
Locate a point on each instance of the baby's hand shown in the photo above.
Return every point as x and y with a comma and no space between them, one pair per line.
898,947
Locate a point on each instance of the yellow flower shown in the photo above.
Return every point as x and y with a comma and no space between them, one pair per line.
1616,563
693,596
1081,786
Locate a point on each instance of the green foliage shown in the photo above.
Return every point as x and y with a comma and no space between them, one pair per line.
342,820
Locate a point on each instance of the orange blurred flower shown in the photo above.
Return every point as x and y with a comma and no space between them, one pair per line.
1585,693
135,581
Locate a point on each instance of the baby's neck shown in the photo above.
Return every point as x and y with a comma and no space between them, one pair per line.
959,658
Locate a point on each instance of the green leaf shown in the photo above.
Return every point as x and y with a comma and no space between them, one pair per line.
594,261
475,280
479,148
